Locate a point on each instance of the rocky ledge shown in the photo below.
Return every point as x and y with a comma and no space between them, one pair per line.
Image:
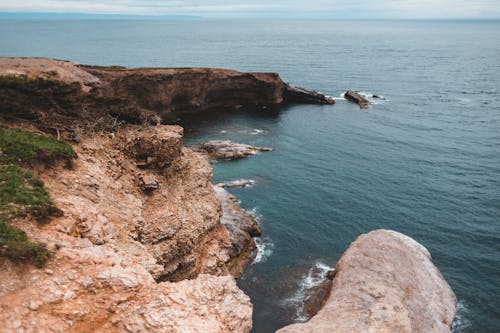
227,150
384,282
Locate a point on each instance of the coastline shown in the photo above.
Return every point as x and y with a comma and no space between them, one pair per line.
173,167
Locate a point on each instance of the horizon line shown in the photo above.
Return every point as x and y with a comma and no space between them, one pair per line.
237,15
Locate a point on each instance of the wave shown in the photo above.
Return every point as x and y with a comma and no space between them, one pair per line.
374,99
264,249
313,278
461,323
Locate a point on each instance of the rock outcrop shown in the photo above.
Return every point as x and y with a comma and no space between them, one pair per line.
138,95
357,98
126,259
227,150
242,227
384,282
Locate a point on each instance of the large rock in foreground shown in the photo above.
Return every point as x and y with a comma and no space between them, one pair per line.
384,282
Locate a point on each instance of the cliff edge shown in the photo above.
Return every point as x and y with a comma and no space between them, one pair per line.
141,94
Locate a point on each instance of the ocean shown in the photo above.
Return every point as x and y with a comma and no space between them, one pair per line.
423,160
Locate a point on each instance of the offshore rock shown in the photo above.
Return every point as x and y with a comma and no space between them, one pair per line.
227,150
384,282
357,98
242,227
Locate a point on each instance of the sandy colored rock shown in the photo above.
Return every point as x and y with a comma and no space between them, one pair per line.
65,71
227,150
384,282
119,252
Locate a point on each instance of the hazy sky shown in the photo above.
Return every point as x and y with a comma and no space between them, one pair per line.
292,8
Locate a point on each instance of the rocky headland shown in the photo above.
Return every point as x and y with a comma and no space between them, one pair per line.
124,231
384,282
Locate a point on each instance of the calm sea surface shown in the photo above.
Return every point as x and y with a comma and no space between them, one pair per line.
425,161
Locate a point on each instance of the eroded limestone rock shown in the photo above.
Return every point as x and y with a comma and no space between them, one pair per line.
384,282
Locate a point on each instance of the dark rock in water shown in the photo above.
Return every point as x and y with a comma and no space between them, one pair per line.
316,297
227,150
301,95
357,98
376,96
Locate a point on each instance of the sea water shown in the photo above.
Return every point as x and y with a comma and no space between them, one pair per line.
425,160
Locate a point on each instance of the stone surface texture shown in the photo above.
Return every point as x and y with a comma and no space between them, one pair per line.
125,260
227,150
384,282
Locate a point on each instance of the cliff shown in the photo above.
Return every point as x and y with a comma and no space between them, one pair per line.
384,282
118,241
136,95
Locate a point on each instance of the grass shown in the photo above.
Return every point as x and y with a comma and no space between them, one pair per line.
14,244
22,147
21,194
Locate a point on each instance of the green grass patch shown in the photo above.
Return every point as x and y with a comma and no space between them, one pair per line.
22,147
14,244
21,194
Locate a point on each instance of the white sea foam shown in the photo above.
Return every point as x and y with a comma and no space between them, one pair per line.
238,183
253,131
373,100
461,324
314,277
264,249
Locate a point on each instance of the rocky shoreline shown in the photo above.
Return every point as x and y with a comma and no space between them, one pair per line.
146,243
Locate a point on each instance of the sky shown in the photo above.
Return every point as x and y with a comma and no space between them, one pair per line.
395,9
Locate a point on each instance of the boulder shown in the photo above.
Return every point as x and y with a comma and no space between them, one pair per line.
385,282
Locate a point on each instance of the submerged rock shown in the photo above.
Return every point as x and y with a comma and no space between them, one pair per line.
384,282
357,98
227,150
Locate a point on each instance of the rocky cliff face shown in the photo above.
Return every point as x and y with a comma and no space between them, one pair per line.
118,241
384,282
138,95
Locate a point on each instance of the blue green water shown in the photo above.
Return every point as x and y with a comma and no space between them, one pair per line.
425,162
